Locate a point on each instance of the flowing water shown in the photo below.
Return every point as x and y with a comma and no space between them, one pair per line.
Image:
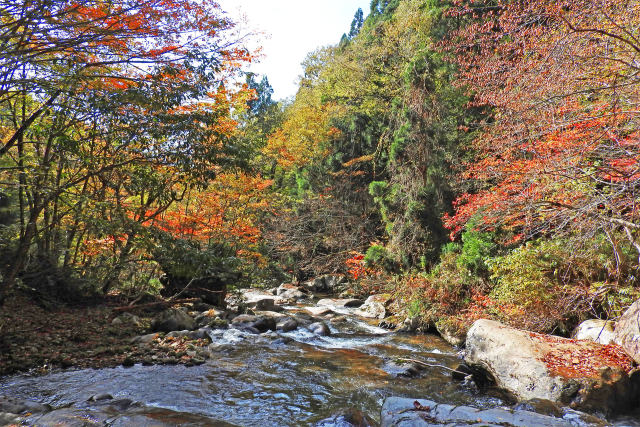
274,379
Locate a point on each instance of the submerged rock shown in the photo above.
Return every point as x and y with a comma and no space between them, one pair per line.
404,412
596,330
117,413
319,311
627,331
404,369
582,374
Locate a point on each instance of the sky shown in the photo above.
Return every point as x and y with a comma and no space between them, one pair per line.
290,30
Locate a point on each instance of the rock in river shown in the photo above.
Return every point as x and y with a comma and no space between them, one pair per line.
14,405
582,374
291,292
287,325
375,306
401,412
259,323
319,328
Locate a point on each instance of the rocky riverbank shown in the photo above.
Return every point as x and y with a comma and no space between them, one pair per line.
573,374
38,340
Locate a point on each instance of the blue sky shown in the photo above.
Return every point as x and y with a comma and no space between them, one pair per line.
292,28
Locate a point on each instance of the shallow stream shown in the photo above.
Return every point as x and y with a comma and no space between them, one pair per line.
274,379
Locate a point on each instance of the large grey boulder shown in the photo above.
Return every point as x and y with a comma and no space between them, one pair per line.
582,374
402,412
172,319
627,331
596,330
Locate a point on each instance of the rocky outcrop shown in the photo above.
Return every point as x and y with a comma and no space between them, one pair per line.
596,330
328,284
401,412
375,306
627,331
172,319
582,374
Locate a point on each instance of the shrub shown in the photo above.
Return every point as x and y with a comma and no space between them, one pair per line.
548,283
477,247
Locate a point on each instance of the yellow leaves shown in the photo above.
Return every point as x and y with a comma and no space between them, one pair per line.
304,136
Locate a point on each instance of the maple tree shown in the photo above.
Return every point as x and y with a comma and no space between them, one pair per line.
117,107
560,152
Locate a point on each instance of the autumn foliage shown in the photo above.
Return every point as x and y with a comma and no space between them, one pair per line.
561,149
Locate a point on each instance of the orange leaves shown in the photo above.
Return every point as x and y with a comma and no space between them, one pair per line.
229,211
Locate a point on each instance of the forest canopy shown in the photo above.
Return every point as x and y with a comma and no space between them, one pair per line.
472,158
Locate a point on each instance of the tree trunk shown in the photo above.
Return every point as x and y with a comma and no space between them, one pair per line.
20,258
117,269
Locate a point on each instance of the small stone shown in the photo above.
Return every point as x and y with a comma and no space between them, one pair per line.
98,397
128,362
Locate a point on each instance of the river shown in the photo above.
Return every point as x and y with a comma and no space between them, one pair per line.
277,379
